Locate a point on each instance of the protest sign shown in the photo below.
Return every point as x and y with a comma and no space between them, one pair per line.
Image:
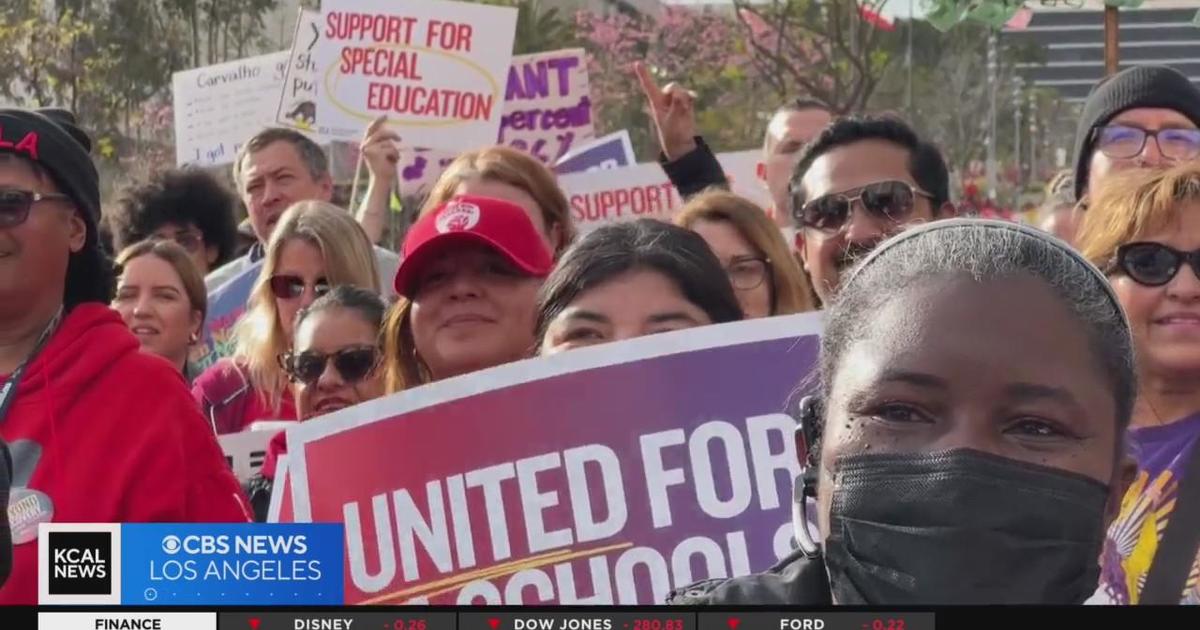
279,510
601,475
217,108
298,98
612,151
547,109
245,451
226,304
643,191
436,69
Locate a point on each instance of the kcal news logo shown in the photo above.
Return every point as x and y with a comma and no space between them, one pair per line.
79,563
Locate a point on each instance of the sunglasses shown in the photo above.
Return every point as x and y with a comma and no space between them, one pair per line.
889,200
353,364
287,287
1121,142
1152,264
15,204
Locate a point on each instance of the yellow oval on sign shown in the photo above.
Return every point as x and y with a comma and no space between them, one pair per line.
469,101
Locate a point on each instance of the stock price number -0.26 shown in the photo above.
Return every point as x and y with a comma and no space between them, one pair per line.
885,624
657,624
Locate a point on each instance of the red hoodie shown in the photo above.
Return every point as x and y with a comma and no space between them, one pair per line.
111,435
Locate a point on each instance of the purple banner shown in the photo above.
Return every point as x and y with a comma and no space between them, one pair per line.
600,475
612,151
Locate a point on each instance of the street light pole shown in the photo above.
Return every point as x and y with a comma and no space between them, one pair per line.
1018,101
1112,23
991,143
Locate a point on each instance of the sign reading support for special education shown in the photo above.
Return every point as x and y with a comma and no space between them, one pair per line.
547,109
217,108
436,69
298,101
643,191
602,475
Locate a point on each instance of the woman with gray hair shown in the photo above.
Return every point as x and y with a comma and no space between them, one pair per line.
964,441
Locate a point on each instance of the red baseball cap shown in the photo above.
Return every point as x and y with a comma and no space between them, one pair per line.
500,225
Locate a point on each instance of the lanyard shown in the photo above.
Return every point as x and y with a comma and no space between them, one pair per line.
8,391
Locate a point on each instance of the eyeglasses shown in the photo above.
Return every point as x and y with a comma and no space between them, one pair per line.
1152,264
353,364
287,287
747,273
190,241
15,204
1121,142
889,200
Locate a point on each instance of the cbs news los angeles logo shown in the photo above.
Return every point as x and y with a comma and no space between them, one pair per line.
79,563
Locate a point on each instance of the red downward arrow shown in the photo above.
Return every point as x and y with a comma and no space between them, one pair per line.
733,622
255,623
494,623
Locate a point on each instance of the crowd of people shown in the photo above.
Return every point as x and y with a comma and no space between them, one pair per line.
1003,414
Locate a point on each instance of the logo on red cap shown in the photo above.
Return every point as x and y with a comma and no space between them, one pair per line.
458,216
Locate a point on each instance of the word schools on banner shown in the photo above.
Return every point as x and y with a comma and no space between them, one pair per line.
217,108
610,474
436,69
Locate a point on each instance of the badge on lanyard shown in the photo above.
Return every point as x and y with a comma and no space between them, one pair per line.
26,508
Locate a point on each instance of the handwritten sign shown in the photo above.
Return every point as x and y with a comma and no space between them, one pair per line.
547,110
436,69
612,151
298,98
605,475
643,190
217,108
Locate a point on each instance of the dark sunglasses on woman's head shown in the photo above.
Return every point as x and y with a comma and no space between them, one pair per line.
1123,142
1152,264
287,287
353,364
15,204
889,200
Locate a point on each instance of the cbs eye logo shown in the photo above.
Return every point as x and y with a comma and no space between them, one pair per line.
171,545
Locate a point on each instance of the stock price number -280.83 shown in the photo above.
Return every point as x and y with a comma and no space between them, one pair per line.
657,624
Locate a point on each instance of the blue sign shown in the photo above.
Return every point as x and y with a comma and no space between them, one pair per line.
231,564
226,305
612,151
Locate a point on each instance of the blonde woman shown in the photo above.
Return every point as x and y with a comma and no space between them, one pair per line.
514,176
766,277
315,247
1142,228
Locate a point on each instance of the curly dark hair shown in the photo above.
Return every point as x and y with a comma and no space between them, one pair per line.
181,197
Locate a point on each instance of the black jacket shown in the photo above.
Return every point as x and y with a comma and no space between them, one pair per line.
798,580
258,490
694,171
6,548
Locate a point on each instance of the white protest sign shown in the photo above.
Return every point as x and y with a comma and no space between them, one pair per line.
436,69
643,191
547,109
246,451
217,108
298,98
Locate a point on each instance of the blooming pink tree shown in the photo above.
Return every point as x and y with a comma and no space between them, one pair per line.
702,50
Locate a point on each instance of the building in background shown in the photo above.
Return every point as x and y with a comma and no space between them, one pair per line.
1160,32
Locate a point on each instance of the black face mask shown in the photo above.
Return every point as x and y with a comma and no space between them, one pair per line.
962,527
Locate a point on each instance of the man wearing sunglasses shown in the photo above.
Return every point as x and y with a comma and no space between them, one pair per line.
1142,117
860,181
89,445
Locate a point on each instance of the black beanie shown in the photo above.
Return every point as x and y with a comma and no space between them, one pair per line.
1139,86
52,139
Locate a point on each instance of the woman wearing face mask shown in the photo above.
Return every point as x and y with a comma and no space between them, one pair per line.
333,365
632,279
469,279
315,246
160,295
1143,229
766,277
964,444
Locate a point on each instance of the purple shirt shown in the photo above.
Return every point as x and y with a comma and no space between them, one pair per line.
1161,453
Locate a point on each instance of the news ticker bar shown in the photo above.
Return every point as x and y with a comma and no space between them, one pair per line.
599,619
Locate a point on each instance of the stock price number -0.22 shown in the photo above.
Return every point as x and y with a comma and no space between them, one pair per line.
885,624
657,624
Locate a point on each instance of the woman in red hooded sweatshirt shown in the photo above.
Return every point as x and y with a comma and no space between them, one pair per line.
99,432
